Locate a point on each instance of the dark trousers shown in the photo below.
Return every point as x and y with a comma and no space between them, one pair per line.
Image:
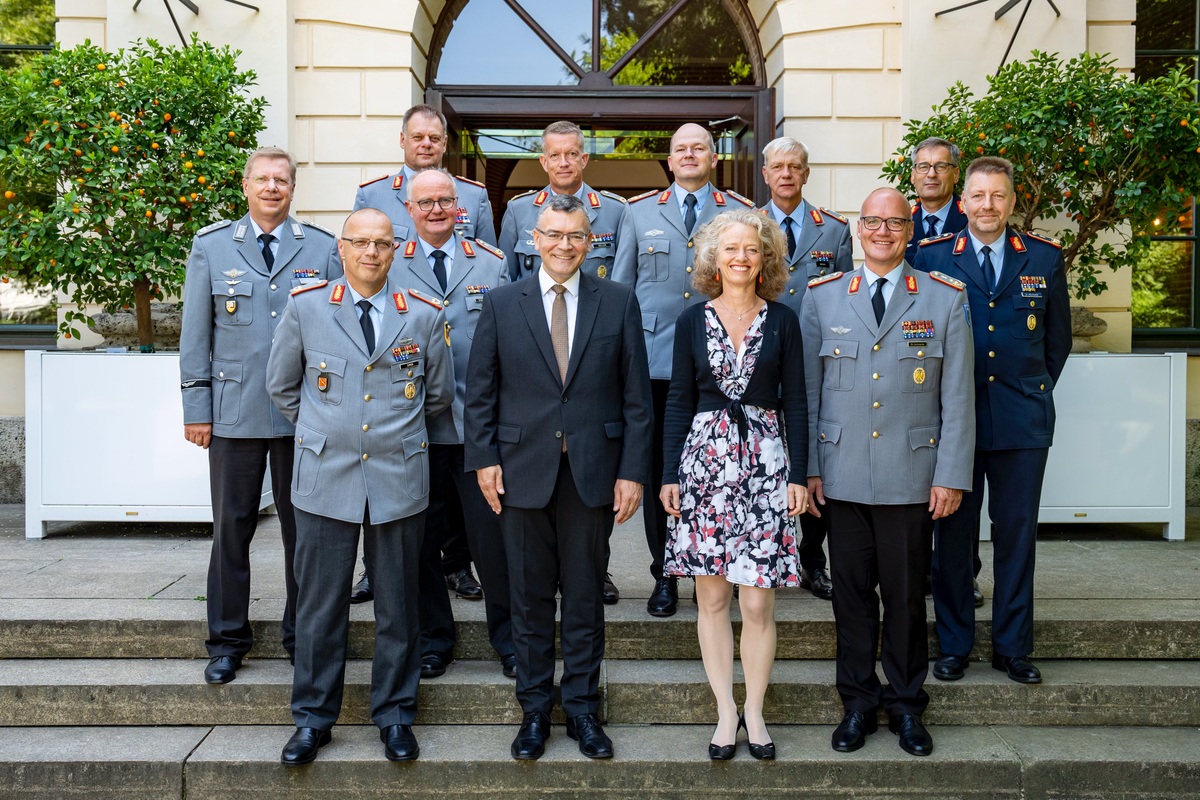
326,551
559,548
813,531
653,516
450,485
888,547
235,474
456,550
1014,482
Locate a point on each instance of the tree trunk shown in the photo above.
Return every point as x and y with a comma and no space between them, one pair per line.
145,325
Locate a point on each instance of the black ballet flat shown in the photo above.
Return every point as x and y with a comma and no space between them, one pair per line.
762,752
721,752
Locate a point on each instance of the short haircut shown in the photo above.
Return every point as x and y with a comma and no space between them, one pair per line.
565,204
270,152
562,128
784,144
439,170
773,248
936,141
712,144
990,165
425,111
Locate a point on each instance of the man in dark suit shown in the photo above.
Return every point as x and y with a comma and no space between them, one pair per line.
934,175
1021,321
561,403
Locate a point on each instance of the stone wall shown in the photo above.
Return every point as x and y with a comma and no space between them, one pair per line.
12,460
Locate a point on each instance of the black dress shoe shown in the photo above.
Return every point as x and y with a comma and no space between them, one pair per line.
464,585
976,595
530,743
222,669
362,591
303,746
593,741
664,600
950,668
1019,668
817,581
433,665
508,665
914,739
609,593
399,744
852,732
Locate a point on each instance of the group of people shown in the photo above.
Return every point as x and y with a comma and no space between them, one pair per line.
723,367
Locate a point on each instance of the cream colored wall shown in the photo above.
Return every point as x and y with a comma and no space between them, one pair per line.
12,383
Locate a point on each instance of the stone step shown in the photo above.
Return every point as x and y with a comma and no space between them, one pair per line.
651,763
36,692
176,628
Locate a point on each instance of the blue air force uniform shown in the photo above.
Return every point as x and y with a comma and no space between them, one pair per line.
474,215
951,219
1022,333
605,211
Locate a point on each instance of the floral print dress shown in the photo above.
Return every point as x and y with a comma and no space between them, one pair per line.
733,480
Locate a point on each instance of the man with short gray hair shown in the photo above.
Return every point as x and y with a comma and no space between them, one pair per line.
938,209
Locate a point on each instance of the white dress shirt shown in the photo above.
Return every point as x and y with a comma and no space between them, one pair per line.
571,295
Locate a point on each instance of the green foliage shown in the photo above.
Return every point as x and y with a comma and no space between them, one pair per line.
111,162
1156,302
1093,151
25,22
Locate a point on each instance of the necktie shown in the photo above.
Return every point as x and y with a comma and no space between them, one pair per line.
791,236
689,216
364,321
877,302
559,336
268,257
989,271
439,268
931,227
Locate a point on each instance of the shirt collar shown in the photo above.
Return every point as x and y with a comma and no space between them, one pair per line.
892,276
545,282
941,213
997,247
680,193
448,248
778,215
376,300
258,231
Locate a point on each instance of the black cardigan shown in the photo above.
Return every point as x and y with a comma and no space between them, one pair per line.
777,382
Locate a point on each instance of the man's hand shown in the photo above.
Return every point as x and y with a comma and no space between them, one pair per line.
198,433
943,502
669,496
491,483
817,493
627,496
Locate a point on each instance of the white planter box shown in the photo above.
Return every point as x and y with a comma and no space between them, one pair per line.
104,442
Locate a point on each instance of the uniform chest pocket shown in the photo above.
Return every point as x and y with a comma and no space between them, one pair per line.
408,384
653,255
326,375
838,360
474,304
920,365
227,391
231,304
1030,315
401,232
528,259
599,262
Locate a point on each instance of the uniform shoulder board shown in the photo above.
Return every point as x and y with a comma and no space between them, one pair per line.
945,237
644,195
418,296
916,207
833,276
942,277
491,248
739,198
308,287
523,194
317,227
1047,239
613,196
836,216
373,180
468,180
216,226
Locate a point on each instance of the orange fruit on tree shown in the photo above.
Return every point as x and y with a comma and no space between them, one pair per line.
101,67
200,153
154,145
116,149
10,194
57,82
149,213
202,180
167,117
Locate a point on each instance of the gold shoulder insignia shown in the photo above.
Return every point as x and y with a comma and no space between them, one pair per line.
491,248
417,295
308,287
468,180
739,198
613,196
945,237
216,226
942,277
644,195
1047,239
373,180
836,216
833,276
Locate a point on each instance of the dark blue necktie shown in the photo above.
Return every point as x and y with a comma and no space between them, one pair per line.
989,272
364,321
877,301
788,222
439,268
931,227
689,216
268,257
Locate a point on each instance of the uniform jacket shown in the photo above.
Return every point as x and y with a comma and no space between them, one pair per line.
389,193
822,248
656,257
956,220
231,306
891,406
478,268
1022,335
518,408
360,417
605,211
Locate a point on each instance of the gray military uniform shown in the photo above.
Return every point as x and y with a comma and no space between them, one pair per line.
823,246
605,211
474,215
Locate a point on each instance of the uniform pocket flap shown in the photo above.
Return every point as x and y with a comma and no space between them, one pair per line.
921,349
649,320
510,434
828,431
1036,384
924,437
614,430
309,439
648,246
326,362
415,444
227,371
240,289
1025,301
408,371
838,348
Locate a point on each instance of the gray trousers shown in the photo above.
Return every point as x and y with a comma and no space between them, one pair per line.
326,551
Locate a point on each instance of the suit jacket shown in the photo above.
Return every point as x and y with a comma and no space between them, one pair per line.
232,303
824,246
477,269
605,211
956,220
656,257
1022,335
388,194
891,406
360,417
518,408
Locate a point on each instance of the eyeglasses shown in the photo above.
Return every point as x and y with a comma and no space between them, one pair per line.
363,244
941,167
263,180
893,223
444,203
554,237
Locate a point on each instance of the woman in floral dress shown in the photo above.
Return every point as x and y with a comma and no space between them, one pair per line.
735,453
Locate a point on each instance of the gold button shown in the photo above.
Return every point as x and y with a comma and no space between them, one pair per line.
875,348
690,243
689,269
410,373
364,456
874,434
875,376
299,440
822,272
1031,305
920,354
366,427
322,365
422,445
791,291
791,269
1042,386
933,441
991,327
991,353
370,367
649,249
875,404
367,398
991,378
687,295
837,351
991,305
822,437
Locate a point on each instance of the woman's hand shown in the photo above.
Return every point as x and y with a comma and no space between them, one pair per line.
669,495
797,499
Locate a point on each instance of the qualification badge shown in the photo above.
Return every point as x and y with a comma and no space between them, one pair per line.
601,271
410,391
919,375
231,305
1031,323
323,382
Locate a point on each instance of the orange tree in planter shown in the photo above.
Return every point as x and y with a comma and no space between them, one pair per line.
111,162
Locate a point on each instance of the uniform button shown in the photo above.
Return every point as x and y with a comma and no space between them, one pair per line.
299,440
875,376
920,354
558,434
991,328
220,374
687,295
875,348
322,365
991,353
1042,386
410,373
822,272
837,351
1031,304
874,434
791,291
273,287
231,290
791,269
366,427
991,378
991,305
822,437
445,304
649,249
364,456
370,367
564,399
367,398
423,445
690,243
933,441
875,404
689,269
273,314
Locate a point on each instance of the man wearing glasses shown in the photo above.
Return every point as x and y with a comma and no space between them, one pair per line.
239,275
934,176
888,364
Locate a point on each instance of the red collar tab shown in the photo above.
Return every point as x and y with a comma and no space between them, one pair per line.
468,249
1017,244
854,282
398,181
959,205
541,198
916,208
401,303
339,292
593,200
410,249
664,197
960,245
819,220
910,283
719,198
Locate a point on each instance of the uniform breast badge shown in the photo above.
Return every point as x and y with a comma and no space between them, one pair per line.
231,305
323,382
1031,323
410,391
919,375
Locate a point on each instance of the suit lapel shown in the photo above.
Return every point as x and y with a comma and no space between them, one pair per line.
585,319
967,262
1014,262
418,265
347,316
250,249
289,246
393,323
860,301
898,306
809,231
711,209
670,213
535,317
462,266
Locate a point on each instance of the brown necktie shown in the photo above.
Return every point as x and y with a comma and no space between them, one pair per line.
559,336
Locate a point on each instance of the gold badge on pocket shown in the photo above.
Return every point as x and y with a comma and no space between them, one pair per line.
231,305
1031,322
410,391
919,375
